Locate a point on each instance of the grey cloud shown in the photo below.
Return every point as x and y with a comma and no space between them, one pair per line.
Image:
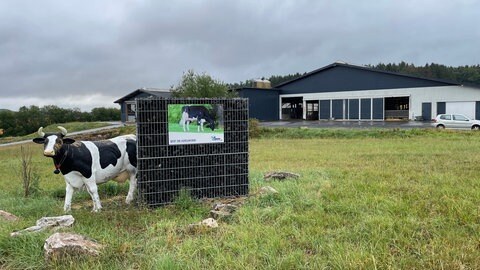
113,47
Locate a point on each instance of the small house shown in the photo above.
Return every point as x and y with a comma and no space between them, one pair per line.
127,103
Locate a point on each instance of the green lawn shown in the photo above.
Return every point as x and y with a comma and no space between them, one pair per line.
365,200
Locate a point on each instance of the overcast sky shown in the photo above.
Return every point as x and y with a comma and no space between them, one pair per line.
87,54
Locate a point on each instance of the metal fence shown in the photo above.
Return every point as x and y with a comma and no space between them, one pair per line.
167,162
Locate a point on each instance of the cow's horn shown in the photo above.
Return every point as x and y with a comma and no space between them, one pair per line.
64,130
40,132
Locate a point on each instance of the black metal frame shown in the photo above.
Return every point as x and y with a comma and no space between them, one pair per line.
206,170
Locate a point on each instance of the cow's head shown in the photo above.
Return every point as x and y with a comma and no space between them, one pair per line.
52,142
211,124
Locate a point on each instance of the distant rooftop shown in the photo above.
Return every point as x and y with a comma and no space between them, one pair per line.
152,91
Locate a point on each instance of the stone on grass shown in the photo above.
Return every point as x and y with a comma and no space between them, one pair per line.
8,216
47,222
65,245
267,190
225,207
202,226
220,215
280,175
210,223
223,211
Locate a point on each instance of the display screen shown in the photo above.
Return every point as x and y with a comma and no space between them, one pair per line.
195,123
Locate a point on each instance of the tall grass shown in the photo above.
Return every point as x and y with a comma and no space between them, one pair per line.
365,200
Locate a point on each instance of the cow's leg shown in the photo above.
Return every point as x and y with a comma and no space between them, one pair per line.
92,189
68,197
132,187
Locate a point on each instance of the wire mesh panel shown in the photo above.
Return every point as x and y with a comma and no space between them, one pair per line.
197,144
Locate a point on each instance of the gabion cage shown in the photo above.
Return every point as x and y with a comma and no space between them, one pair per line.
207,170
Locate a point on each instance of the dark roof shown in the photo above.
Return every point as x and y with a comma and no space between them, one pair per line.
150,91
341,64
254,88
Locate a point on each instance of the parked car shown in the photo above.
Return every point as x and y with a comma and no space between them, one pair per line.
455,121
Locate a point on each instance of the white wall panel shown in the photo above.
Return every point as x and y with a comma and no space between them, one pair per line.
417,96
466,108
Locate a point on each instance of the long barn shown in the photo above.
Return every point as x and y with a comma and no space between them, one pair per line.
342,91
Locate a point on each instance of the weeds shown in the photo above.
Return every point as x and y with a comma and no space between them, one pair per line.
184,200
30,179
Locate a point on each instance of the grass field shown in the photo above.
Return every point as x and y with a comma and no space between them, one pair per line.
370,199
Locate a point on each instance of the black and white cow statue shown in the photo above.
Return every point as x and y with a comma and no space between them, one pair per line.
200,114
88,163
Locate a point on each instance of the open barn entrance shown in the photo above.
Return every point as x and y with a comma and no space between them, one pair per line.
292,108
397,108
312,110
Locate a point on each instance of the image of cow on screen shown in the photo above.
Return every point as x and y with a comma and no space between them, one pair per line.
195,123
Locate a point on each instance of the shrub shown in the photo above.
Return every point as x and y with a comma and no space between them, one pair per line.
184,200
254,128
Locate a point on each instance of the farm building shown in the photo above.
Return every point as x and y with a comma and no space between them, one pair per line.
127,103
342,91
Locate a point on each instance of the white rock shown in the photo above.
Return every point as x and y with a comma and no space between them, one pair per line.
60,221
267,190
47,222
230,208
210,222
203,226
59,245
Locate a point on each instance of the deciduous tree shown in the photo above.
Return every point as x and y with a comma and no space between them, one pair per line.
201,86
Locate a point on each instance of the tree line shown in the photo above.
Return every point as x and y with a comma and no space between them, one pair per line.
469,75
28,119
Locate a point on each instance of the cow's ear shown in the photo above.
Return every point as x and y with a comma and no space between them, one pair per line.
39,140
68,140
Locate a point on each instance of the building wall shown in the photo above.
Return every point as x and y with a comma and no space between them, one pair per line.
123,105
262,103
123,112
417,96
344,79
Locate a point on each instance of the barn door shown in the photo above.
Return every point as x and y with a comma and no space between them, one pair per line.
377,109
366,109
353,106
325,109
441,108
427,111
337,109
